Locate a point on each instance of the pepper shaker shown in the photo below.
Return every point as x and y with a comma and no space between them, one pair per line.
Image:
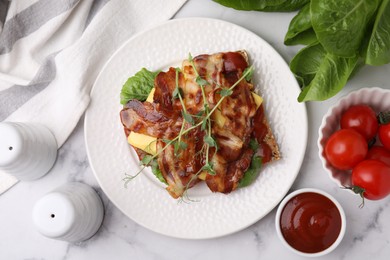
27,150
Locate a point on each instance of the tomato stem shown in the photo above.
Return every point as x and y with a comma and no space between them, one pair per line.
360,191
384,117
371,143
357,190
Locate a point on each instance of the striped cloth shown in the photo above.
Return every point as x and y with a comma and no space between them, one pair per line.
52,50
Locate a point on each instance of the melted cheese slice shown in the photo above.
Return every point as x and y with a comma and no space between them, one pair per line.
150,97
143,142
258,99
149,144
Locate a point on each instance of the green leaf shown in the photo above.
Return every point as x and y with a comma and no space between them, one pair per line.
138,86
306,63
286,6
200,113
253,144
340,26
177,92
264,5
187,117
201,82
251,174
300,30
183,145
225,92
176,147
167,141
378,50
209,168
305,38
157,172
323,74
190,59
179,146
249,73
146,160
210,141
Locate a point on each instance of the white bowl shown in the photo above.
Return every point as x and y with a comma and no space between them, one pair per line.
377,98
306,190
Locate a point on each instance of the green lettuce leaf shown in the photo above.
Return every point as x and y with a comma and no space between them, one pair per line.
138,86
157,172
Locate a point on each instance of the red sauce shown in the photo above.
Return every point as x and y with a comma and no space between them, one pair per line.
260,131
233,61
310,222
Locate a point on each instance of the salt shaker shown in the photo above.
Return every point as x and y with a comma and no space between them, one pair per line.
72,212
27,150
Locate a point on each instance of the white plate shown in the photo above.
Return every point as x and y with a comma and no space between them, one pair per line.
145,200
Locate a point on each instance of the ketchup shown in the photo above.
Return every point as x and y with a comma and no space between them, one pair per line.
310,222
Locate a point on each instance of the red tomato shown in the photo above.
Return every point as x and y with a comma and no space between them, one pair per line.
373,177
361,118
379,153
384,135
345,148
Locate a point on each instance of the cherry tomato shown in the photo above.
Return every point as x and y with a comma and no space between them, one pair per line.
345,148
361,118
384,135
373,177
379,153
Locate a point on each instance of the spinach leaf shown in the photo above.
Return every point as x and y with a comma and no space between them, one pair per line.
378,50
138,86
300,30
254,169
305,38
341,25
251,174
286,6
254,145
264,5
306,63
248,5
321,74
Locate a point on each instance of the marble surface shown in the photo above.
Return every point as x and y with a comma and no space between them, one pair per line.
368,229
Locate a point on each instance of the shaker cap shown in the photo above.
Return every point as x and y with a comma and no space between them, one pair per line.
11,144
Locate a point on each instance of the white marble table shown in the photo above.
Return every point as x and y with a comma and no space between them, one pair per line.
368,229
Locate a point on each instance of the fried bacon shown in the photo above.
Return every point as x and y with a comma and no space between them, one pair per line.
163,119
180,170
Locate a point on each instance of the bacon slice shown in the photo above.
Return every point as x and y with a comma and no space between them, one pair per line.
180,169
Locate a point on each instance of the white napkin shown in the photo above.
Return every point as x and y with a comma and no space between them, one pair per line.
52,51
